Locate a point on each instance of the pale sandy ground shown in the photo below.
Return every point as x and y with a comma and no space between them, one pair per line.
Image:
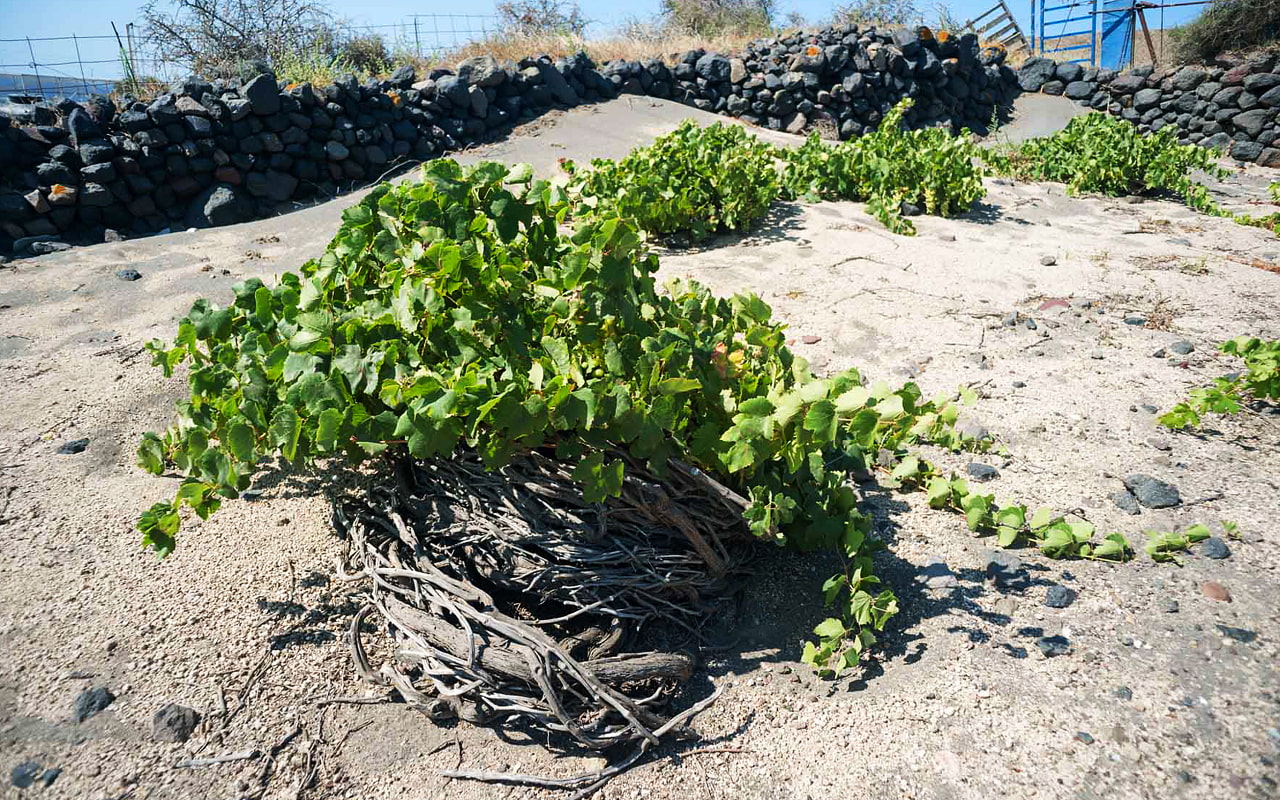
960,704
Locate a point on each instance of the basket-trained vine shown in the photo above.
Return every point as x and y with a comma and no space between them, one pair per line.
1101,154
457,315
719,178
1259,382
703,180
929,168
455,312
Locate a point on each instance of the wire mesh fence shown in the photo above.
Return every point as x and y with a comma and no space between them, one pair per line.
78,66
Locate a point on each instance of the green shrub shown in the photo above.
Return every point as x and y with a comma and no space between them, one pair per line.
1097,153
702,180
1227,25
929,168
718,17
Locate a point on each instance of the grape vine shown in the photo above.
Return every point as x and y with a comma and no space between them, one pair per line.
457,311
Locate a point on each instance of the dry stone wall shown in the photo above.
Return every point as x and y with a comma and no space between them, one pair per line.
218,152
1231,105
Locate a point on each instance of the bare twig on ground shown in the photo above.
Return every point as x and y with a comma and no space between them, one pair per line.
193,763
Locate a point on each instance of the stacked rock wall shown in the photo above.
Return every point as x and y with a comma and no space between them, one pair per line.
215,153
1231,105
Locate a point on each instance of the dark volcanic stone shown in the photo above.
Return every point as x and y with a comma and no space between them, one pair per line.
1152,492
218,205
1005,570
713,68
1126,502
1053,646
1215,547
82,127
263,95
1059,597
72,447
91,702
1035,73
174,723
24,775
982,472
1078,90
128,274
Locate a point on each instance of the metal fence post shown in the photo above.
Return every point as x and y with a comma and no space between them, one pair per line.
35,68
84,82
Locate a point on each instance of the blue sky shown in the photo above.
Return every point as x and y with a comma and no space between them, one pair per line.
37,18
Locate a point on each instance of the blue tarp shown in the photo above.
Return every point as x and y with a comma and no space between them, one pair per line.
1117,34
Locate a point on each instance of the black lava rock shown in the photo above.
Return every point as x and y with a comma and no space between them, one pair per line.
1053,645
91,702
1005,570
1059,597
982,472
1125,502
73,447
174,723
1152,492
263,95
1215,547
220,204
128,274
24,775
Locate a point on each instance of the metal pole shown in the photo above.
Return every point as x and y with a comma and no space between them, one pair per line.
417,40
1095,58
1033,27
36,68
1151,48
84,82
128,32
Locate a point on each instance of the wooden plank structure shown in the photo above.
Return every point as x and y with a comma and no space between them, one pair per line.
997,23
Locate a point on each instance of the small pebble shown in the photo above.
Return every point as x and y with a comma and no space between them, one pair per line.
1081,736
1053,645
1168,605
1059,597
1031,324
72,447
1214,547
1048,261
1135,319
1182,348
810,339
1239,634
24,775
1019,384
1215,591
982,472
128,274
1123,693
1097,355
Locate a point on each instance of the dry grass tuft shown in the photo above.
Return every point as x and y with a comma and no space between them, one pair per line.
669,47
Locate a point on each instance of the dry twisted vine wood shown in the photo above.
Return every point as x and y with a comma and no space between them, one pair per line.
488,580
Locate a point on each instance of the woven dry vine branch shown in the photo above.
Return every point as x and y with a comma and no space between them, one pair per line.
512,599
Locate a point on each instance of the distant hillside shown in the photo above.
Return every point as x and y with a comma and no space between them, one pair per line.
53,85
